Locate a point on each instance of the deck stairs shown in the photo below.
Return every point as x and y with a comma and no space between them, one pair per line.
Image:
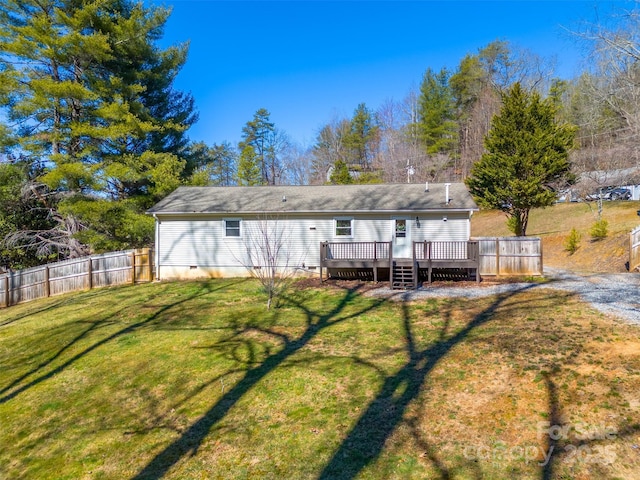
404,275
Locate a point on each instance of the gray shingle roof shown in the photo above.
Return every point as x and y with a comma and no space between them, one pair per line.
318,199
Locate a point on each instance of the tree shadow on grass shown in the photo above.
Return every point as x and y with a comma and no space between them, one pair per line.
46,304
560,441
367,438
191,439
44,373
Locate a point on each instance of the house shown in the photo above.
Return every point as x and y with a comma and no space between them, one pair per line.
223,231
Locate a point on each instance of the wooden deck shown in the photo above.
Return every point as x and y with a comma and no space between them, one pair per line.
403,272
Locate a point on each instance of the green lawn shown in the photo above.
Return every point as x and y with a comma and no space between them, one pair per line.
197,380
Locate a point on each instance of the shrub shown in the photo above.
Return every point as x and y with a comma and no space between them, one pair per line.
573,241
599,230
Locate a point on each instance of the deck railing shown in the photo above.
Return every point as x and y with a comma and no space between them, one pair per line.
383,251
446,250
355,250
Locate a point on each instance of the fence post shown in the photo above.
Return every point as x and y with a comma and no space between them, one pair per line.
47,285
7,297
133,267
89,273
497,257
150,263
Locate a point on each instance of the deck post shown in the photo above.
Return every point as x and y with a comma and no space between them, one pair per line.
390,264
322,257
430,261
375,261
415,267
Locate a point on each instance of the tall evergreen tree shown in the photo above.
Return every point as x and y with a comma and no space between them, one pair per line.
340,174
527,155
215,165
88,94
257,134
362,139
436,113
249,172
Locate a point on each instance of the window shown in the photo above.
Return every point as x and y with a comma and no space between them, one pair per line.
401,228
232,228
343,227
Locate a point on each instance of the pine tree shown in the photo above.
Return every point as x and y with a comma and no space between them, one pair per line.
88,94
215,165
436,113
362,139
340,174
248,168
257,134
527,154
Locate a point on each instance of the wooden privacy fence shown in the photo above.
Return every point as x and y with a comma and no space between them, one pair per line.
634,249
510,255
115,268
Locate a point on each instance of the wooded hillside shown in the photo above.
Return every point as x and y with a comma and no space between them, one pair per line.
93,131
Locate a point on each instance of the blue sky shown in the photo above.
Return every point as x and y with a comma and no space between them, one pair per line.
308,62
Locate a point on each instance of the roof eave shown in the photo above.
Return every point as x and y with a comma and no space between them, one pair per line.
316,212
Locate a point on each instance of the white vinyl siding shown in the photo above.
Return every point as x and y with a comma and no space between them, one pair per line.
201,241
187,242
433,227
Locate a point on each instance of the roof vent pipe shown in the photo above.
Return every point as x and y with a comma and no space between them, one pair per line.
426,187
446,193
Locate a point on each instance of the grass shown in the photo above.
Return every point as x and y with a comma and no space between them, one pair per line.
554,225
198,380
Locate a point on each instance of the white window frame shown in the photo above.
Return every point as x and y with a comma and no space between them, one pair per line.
224,228
335,227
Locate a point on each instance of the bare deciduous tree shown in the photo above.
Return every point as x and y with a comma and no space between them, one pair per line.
61,238
268,255
609,107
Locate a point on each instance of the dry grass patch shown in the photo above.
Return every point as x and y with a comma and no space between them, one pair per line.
554,225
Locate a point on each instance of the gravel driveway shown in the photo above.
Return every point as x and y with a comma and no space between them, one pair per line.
617,294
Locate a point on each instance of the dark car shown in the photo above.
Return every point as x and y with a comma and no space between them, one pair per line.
610,193
618,194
